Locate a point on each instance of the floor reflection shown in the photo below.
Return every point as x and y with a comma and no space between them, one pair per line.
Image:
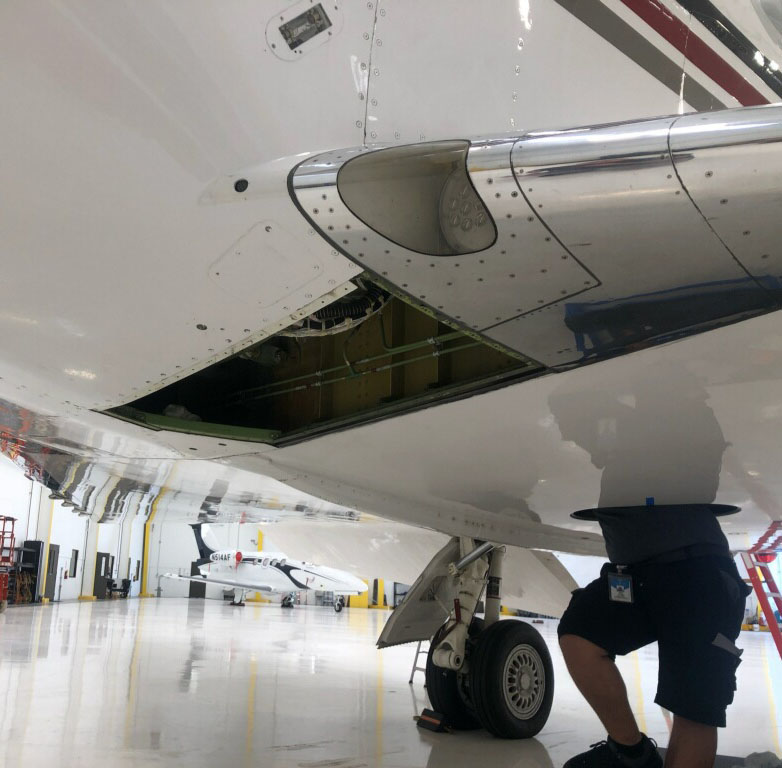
459,749
197,683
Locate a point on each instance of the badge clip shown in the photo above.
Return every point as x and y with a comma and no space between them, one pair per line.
620,586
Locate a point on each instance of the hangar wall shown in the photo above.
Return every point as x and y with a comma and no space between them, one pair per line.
18,496
69,531
39,517
171,544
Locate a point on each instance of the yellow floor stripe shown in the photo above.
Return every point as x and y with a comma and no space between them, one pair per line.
130,710
772,708
640,711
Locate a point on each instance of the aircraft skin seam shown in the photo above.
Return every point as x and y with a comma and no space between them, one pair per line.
369,71
705,218
597,281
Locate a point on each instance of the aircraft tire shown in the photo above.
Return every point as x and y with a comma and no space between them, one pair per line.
447,688
511,680
338,606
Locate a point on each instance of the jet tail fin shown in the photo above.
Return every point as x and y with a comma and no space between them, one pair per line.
204,550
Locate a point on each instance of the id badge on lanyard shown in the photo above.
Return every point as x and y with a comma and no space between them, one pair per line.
620,586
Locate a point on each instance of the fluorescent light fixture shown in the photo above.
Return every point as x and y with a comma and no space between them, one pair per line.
80,373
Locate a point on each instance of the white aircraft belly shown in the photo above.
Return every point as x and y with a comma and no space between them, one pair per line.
490,464
110,200
112,239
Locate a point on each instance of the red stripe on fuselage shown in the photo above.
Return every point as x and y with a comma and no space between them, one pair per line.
662,21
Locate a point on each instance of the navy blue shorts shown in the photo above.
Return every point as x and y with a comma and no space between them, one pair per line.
685,607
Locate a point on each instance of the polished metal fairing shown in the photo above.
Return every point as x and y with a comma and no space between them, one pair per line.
592,241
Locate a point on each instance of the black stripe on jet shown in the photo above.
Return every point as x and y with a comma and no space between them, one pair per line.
734,39
286,569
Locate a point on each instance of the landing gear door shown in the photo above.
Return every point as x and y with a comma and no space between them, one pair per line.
428,602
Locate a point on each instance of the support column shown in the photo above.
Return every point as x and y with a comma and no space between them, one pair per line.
259,545
91,540
43,527
90,558
126,534
147,555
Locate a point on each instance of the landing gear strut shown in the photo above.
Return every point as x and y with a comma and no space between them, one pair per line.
479,672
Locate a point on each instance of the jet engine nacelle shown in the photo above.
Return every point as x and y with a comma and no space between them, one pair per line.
547,243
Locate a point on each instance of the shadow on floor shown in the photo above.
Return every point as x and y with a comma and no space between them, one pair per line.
722,761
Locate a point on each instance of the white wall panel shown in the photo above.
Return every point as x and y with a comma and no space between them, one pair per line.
69,532
15,498
136,553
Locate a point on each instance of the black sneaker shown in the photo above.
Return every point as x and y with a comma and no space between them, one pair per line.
605,754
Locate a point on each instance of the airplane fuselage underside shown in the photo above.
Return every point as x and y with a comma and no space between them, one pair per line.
180,354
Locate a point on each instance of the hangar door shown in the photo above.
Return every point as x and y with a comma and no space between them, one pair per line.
51,571
104,563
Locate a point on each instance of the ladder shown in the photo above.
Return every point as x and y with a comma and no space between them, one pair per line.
7,541
416,668
6,556
755,562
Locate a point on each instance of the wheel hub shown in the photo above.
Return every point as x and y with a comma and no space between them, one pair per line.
524,681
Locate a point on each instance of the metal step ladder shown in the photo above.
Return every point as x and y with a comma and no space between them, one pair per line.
761,582
6,556
416,668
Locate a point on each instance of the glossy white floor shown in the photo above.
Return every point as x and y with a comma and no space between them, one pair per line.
194,683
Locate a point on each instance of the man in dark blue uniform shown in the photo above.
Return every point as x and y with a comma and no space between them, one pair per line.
671,579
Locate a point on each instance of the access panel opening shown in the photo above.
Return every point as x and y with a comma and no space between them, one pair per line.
367,356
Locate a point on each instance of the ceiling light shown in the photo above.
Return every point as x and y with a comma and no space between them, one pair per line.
80,373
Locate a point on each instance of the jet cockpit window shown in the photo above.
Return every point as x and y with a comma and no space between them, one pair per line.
419,196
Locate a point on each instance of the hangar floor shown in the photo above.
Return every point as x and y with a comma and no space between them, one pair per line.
196,683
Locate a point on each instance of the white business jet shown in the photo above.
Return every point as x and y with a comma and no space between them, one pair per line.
269,572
